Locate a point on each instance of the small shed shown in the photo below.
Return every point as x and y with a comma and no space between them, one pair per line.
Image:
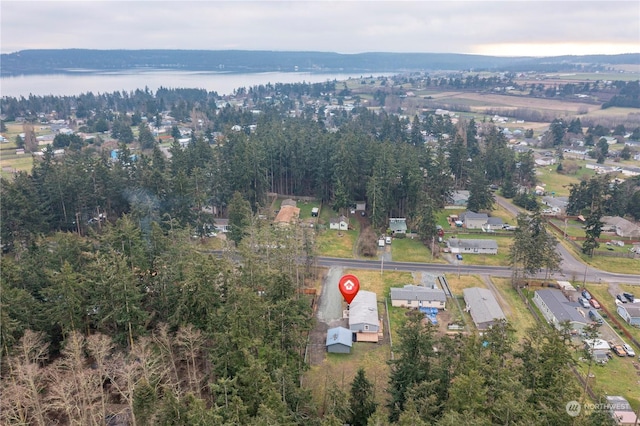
339,340
315,211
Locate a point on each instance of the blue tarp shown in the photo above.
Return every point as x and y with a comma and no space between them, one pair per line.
430,313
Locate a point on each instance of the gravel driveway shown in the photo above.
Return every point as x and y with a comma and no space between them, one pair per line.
330,306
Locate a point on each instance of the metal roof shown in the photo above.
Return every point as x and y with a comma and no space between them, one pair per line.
560,306
483,306
472,244
339,335
415,292
363,309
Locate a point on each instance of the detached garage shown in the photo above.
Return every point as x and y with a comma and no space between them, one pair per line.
339,340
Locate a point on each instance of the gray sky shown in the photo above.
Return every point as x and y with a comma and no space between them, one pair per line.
505,28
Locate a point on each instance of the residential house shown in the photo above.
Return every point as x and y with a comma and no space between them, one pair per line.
340,223
556,204
363,316
621,226
492,224
398,225
599,350
483,307
473,220
461,246
557,309
221,225
459,198
415,296
630,312
621,411
339,340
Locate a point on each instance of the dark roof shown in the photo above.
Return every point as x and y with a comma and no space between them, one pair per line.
483,306
560,306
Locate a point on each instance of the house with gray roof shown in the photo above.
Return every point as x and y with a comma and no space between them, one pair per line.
630,312
473,220
483,307
492,224
415,296
462,246
621,226
459,198
363,313
339,340
398,225
556,309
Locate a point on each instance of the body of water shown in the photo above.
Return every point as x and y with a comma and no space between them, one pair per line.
222,83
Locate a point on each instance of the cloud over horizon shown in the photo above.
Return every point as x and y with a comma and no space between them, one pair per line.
507,28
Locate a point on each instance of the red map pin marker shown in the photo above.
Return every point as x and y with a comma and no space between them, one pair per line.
349,287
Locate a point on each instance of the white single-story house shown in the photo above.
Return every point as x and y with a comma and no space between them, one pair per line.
483,307
339,340
221,225
621,226
557,204
473,220
462,246
339,223
398,225
556,309
415,296
363,313
630,312
492,224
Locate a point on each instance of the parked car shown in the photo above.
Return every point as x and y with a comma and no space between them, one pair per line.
387,240
621,298
629,296
595,317
618,350
594,303
583,302
629,350
459,256
586,294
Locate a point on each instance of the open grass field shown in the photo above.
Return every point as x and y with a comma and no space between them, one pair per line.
616,377
408,250
519,316
332,243
11,163
554,182
457,284
306,207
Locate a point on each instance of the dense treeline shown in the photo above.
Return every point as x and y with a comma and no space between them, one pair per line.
45,61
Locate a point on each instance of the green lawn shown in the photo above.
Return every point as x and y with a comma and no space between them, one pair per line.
554,182
616,377
334,243
306,207
500,259
519,316
408,250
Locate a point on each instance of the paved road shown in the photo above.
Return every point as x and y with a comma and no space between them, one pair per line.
592,274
